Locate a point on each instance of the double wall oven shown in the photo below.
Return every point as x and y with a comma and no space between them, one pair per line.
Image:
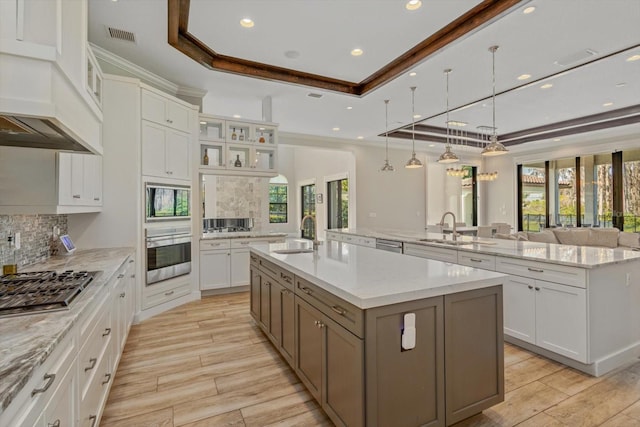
168,253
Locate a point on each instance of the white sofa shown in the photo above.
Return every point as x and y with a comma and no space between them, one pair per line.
599,237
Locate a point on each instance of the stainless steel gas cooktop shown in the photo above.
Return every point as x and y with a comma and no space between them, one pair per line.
40,291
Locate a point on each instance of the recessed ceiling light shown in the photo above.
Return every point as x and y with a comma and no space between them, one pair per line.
413,74
261,128
607,104
237,116
524,76
417,116
360,137
633,58
247,22
349,108
557,139
528,10
546,86
413,4
356,52
621,84
336,129
292,54
455,123
432,145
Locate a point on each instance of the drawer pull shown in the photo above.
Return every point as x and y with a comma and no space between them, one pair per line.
122,295
306,290
50,379
107,331
529,286
286,278
108,378
133,276
341,311
76,196
56,423
130,261
244,243
254,259
536,270
92,361
168,293
475,260
537,288
93,419
120,276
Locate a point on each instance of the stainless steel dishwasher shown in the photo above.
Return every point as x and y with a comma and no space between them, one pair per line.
389,245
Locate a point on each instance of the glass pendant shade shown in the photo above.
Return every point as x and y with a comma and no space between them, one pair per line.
413,162
448,156
386,167
494,148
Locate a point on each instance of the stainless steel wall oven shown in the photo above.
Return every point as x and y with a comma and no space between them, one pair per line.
168,253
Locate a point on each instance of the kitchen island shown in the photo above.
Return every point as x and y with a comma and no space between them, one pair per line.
379,338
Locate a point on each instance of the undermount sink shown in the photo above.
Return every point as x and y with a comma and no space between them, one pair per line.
447,242
293,251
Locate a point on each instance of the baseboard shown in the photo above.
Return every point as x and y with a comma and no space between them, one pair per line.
154,311
223,291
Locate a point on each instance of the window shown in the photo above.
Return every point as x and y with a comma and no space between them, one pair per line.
338,203
631,193
534,199
278,200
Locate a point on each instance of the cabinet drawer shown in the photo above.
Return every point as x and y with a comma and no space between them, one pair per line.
241,243
92,403
281,275
334,236
484,261
214,244
161,294
359,240
566,275
93,350
342,312
431,252
91,315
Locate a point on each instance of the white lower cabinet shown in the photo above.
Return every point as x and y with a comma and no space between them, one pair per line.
61,410
215,269
549,315
239,267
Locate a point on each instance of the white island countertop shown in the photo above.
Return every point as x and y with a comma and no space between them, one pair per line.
368,277
570,255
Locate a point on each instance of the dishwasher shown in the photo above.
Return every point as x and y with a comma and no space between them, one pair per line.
389,245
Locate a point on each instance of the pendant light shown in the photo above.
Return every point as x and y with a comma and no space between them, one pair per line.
448,156
386,167
494,148
413,162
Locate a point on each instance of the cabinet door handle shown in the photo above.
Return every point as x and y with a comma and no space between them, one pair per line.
267,283
130,261
97,199
50,379
536,270
341,311
92,361
244,243
475,260
537,288
286,278
107,331
56,423
529,286
254,259
120,276
306,291
108,378
133,276
93,419
122,295
168,293
76,196
320,325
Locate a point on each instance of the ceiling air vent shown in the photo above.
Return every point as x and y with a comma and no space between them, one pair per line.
314,95
124,35
576,57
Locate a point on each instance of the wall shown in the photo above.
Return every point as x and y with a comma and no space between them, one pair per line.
35,236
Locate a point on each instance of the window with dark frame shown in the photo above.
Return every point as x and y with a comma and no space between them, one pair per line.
278,203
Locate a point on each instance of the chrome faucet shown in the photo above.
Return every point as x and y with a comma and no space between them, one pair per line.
455,233
316,242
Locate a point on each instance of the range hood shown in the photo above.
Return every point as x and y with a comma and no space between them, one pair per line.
35,132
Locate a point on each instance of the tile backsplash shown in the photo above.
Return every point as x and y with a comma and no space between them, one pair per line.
238,197
35,236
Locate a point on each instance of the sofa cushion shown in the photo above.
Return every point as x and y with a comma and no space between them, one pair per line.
572,236
629,240
505,236
604,237
544,236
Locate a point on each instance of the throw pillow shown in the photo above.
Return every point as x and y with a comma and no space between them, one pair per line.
604,237
573,236
545,236
629,240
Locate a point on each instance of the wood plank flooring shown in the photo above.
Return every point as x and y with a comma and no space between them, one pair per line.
207,364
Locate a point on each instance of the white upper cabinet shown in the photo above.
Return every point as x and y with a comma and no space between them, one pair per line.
165,111
165,153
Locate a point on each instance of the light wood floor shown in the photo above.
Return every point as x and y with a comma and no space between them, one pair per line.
207,364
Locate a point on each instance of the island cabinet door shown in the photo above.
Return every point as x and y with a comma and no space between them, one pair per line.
255,293
287,344
474,355
275,313
520,308
265,302
405,386
309,347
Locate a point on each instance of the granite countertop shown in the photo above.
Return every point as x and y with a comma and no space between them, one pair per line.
28,340
368,277
240,235
575,256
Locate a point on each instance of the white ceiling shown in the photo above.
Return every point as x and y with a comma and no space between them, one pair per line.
324,32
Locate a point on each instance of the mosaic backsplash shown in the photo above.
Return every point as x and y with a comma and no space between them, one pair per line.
35,235
240,197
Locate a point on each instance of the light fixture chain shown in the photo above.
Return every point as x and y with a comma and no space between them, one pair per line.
413,119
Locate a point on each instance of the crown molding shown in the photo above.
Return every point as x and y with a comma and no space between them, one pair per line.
145,75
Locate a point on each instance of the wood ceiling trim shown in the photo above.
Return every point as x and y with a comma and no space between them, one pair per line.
180,38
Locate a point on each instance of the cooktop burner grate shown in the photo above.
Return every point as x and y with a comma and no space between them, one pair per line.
24,293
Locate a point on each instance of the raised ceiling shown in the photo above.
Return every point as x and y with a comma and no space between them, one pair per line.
551,40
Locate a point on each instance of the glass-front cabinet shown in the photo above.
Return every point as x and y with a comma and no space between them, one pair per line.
251,133
212,129
212,155
251,158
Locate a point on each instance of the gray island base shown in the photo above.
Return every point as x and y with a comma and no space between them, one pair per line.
342,319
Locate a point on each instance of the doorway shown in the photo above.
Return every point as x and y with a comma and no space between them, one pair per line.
308,207
338,203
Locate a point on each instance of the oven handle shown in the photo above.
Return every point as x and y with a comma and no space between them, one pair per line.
154,242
